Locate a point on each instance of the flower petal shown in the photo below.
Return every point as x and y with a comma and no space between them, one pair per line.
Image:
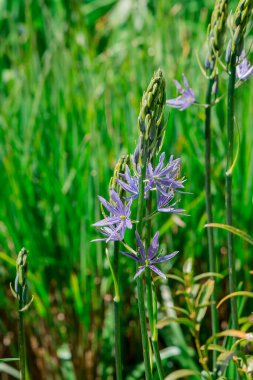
153,247
107,221
140,245
164,258
139,271
157,271
132,256
108,205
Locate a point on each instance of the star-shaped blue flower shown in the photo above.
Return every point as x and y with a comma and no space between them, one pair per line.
186,99
163,177
119,218
131,184
149,258
244,70
164,205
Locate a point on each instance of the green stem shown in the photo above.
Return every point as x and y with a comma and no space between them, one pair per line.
209,215
229,219
152,321
140,287
158,359
22,353
118,361
152,324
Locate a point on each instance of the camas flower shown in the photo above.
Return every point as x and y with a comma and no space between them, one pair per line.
149,258
118,220
244,70
163,203
186,98
131,185
110,233
163,177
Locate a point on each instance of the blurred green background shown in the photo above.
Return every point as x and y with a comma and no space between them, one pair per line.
72,75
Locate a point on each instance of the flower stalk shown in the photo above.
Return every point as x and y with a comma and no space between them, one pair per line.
20,293
229,180
216,31
140,286
116,306
150,297
209,214
235,47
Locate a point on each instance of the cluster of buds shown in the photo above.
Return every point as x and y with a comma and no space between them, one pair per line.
239,24
20,286
216,31
151,123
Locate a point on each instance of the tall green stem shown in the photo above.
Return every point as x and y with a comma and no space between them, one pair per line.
209,214
22,353
140,287
118,361
152,321
229,219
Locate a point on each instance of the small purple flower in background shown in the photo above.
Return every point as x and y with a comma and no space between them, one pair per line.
118,220
186,98
148,259
244,70
163,177
164,206
131,185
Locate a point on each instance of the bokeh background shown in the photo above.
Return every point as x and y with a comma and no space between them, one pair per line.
72,74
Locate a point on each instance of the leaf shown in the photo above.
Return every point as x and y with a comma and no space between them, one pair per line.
181,374
180,310
7,259
235,294
9,370
234,333
225,357
216,347
233,230
203,298
6,360
188,266
175,277
182,321
231,169
26,307
207,274
115,282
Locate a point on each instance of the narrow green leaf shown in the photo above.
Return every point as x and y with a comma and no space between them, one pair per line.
182,321
203,298
216,347
207,274
182,374
233,230
243,293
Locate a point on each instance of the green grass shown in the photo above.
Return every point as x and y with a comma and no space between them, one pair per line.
72,76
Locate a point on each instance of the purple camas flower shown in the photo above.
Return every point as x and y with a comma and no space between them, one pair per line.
131,185
186,98
149,258
163,203
110,233
114,226
163,177
244,70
